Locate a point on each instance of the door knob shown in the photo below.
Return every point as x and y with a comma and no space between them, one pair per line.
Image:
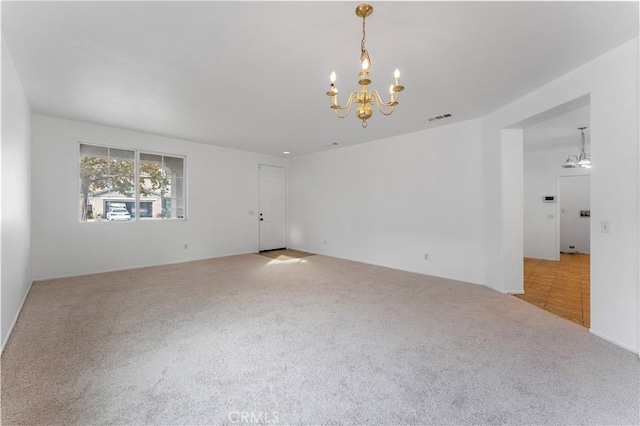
261,219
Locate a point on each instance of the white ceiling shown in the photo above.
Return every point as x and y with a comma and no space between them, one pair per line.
253,75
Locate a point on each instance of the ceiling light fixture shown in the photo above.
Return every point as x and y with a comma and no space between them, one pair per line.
583,160
364,98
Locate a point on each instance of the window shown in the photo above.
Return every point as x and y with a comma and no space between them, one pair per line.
108,191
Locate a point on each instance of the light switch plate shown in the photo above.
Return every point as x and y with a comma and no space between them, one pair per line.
605,227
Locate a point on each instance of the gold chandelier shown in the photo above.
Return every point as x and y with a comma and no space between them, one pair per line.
364,98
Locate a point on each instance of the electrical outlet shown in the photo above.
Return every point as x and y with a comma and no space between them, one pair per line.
426,256
186,246
325,242
605,227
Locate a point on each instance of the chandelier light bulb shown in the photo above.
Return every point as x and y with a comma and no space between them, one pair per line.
333,77
396,75
391,89
365,64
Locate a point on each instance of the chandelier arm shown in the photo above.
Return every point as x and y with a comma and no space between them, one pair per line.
348,106
385,113
379,103
337,106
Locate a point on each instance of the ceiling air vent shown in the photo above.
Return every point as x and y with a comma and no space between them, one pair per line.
439,117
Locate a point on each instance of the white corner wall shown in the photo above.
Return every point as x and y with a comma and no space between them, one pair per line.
392,201
222,187
512,145
541,172
16,273
613,84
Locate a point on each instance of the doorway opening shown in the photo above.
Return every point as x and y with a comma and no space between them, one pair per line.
556,217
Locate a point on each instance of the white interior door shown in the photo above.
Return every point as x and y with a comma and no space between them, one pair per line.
273,213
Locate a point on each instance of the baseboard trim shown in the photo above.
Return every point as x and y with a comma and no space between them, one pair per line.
15,320
542,258
612,341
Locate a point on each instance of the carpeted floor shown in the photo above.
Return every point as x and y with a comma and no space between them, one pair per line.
316,340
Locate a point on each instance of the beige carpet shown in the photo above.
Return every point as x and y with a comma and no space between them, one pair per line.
285,254
317,340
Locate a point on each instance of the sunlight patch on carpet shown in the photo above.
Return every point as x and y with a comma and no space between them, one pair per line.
286,262
285,254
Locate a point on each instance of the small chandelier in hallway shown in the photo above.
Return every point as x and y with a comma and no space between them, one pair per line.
581,161
364,98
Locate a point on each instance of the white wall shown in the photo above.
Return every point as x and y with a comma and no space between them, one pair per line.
392,201
541,172
16,275
612,82
222,189
575,230
512,141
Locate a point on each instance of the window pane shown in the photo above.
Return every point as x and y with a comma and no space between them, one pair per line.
94,151
150,158
122,173
173,197
121,154
152,183
107,178
162,186
174,165
180,207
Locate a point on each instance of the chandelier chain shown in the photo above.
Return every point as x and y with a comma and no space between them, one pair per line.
363,49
